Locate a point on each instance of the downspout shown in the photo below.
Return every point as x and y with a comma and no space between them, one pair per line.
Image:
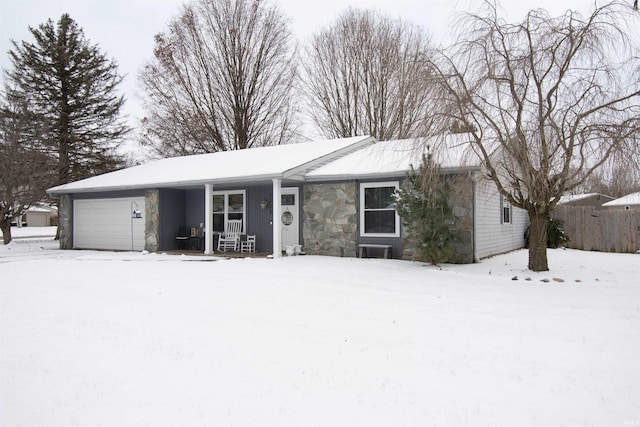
474,179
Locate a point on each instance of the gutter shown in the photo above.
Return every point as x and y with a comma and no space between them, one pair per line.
169,184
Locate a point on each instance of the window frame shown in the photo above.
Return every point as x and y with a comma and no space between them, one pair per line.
505,208
226,211
363,210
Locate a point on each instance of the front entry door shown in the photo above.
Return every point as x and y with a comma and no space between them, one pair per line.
289,218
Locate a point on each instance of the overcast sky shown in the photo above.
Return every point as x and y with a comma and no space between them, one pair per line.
124,29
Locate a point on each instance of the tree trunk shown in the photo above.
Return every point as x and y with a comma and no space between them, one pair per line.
6,232
538,241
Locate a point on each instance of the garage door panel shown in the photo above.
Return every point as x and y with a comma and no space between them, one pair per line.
108,224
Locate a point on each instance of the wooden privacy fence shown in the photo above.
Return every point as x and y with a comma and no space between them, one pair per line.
600,230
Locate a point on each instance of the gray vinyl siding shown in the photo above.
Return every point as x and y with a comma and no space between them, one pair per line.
194,208
493,236
259,220
172,217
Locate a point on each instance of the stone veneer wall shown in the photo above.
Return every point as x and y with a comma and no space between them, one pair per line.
461,201
152,220
65,205
330,224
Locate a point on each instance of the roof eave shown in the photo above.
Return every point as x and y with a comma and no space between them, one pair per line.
56,191
383,175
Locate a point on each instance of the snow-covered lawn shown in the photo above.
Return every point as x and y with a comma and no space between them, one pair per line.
125,339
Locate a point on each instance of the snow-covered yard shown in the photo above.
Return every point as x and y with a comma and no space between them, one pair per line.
126,339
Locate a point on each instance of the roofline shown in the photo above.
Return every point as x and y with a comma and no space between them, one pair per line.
169,184
256,178
299,172
378,175
623,203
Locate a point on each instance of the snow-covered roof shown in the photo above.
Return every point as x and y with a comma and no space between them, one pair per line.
568,198
42,208
283,161
628,200
397,157
343,158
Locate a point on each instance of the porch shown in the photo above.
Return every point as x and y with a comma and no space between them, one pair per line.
219,254
182,219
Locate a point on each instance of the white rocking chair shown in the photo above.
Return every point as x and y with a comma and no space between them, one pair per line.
249,245
230,240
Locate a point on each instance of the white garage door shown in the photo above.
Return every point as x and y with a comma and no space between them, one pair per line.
108,224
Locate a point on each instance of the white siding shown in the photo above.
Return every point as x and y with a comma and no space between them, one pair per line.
492,236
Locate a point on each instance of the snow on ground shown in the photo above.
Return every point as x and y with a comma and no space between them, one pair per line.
92,338
32,232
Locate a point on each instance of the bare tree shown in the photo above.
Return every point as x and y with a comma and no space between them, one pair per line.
547,100
221,79
618,177
25,171
367,75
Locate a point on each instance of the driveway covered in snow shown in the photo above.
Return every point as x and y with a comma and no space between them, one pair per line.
103,339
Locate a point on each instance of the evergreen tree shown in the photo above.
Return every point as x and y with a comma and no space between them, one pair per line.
423,205
71,87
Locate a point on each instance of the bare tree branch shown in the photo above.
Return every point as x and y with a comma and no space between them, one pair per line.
367,75
221,79
551,100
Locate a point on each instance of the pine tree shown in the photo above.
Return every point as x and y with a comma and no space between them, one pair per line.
72,88
423,205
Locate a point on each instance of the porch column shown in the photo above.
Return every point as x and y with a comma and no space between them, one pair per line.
277,200
208,229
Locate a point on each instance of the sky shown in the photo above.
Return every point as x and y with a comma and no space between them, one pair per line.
124,29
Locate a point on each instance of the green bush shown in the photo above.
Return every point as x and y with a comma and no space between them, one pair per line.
556,237
423,205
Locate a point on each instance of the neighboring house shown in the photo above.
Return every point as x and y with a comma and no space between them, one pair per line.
329,196
595,200
628,202
38,216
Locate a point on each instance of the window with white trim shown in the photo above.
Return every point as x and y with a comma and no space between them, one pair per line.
505,210
228,205
378,215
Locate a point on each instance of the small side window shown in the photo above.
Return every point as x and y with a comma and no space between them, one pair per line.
505,210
